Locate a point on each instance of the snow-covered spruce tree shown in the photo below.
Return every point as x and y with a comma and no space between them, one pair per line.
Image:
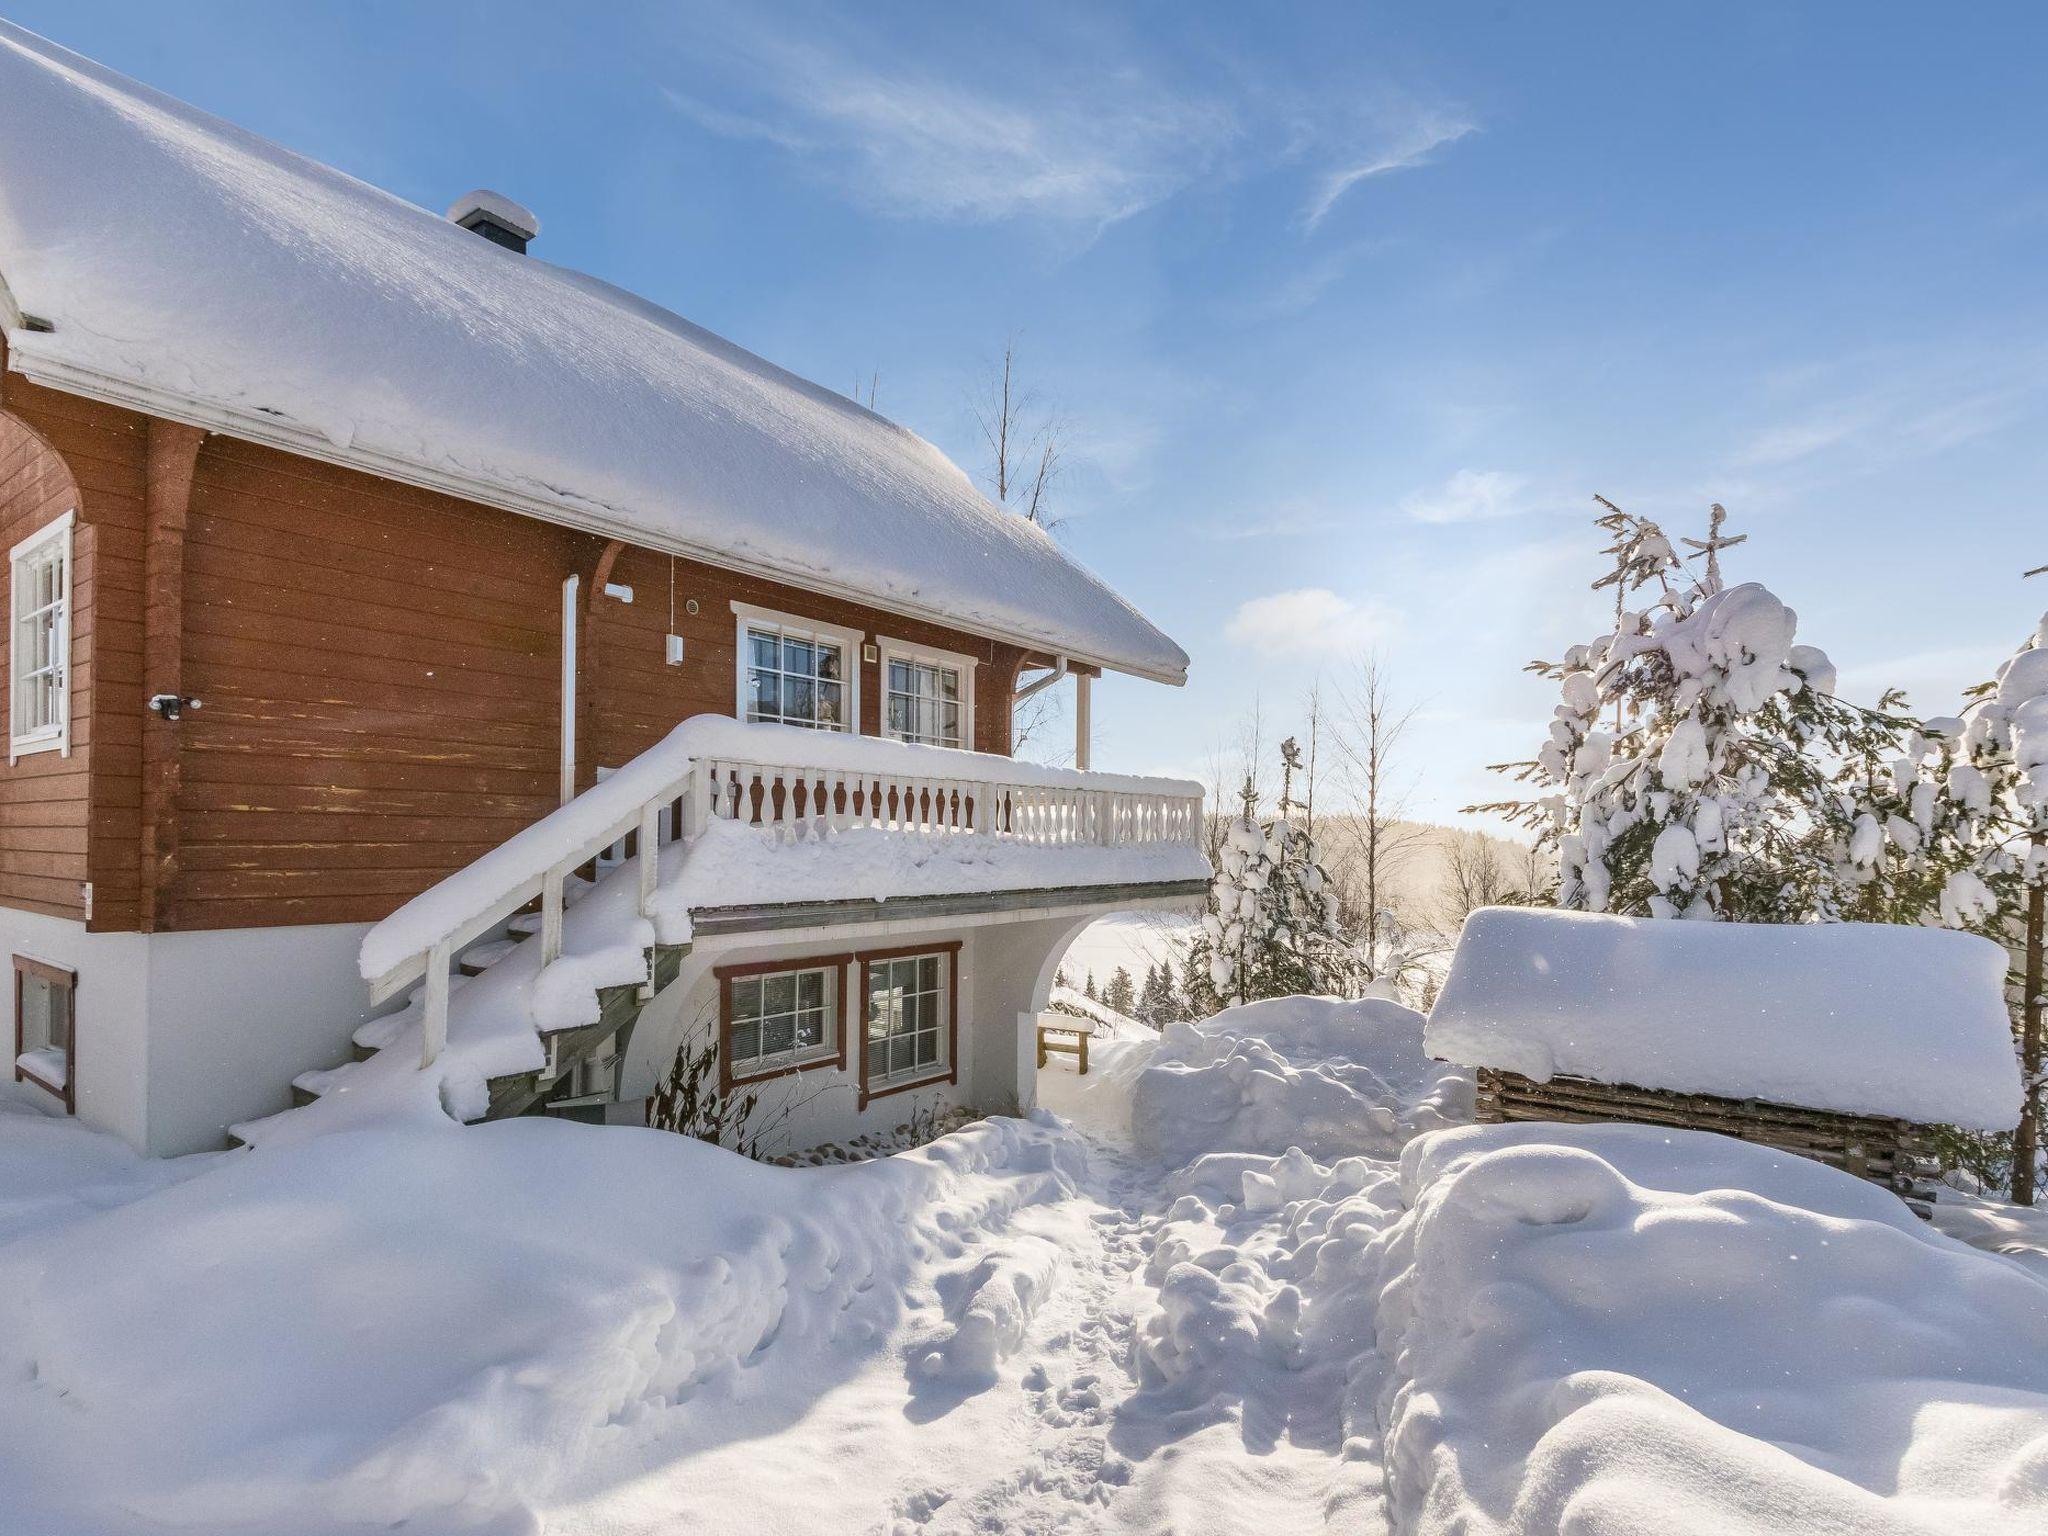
1699,764
1273,928
1121,993
1986,774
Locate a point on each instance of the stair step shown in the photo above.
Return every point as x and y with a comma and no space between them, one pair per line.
479,958
525,925
301,1097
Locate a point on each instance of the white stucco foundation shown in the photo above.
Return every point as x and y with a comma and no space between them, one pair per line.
1006,962
181,1034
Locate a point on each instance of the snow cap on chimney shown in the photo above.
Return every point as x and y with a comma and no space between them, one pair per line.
496,217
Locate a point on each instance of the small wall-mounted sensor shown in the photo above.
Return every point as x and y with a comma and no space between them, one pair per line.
690,605
675,650
618,590
870,652
171,705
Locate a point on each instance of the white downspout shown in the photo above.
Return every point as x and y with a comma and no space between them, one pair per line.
569,586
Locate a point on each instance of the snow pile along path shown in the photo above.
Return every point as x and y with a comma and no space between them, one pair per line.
1334,1078
437,1325
1625,1329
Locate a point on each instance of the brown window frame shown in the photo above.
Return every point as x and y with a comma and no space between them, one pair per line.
727,974
950,950
56,976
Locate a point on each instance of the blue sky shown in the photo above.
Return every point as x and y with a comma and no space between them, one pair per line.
1348,310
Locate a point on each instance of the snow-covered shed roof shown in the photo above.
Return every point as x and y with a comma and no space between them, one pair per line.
186,267
1860,1018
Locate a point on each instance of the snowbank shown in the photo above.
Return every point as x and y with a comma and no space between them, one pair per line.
1857,1017
1331,1077
432,1325
284,301
1619,1328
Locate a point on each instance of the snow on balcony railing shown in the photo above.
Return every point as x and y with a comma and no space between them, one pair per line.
804,784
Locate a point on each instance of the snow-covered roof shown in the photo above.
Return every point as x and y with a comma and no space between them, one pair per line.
188,268
1861,1018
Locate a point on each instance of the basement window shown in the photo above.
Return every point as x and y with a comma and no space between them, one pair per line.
780,1017
39,642
911,1033
45,1044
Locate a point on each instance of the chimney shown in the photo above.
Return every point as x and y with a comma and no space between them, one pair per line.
496,217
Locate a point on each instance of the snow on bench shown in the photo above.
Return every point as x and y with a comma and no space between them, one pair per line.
1853,1018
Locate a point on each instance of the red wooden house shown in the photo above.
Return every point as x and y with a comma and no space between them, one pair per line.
353,548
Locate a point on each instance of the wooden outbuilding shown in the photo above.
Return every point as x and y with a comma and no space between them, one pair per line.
1846,1043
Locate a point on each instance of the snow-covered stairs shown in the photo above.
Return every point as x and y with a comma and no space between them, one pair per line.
388,1047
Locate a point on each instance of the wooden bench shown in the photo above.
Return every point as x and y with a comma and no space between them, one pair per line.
1068,1037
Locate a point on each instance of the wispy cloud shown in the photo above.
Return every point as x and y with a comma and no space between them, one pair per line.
970,146
1921,405
1283,522
1470,495
1408,144
1308,621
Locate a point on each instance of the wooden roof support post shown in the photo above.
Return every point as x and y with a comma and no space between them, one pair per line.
1084,719
173,454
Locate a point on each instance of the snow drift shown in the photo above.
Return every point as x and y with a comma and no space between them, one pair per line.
1626,1329
1334,1078
433,1324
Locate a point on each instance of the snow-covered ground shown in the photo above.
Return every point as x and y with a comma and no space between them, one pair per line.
1028,1326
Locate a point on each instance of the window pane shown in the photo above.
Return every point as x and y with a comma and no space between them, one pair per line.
949,684
927,1049
810,1030
765,703
810,989
746,1041
899,676
829,711
899,715
746,998
928,972
766,648
778,994
797,657
951,724
778,1034
828,662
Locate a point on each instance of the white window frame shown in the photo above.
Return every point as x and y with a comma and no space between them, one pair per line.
762,1065
930,655
54,736
746,616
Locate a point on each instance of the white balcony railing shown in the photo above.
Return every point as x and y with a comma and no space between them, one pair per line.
802,783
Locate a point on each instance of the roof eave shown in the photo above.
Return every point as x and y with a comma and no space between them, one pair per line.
282,433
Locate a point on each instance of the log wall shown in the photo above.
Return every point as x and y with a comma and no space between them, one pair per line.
1885,1151
379,670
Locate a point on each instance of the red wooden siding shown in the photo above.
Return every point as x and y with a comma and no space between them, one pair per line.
640,696
378,668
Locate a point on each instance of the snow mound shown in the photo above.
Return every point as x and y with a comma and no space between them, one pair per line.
1862,1018
1334,1078
1620,1328
421,1325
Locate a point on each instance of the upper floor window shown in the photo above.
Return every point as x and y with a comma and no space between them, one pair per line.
928,695
39,712
794,671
